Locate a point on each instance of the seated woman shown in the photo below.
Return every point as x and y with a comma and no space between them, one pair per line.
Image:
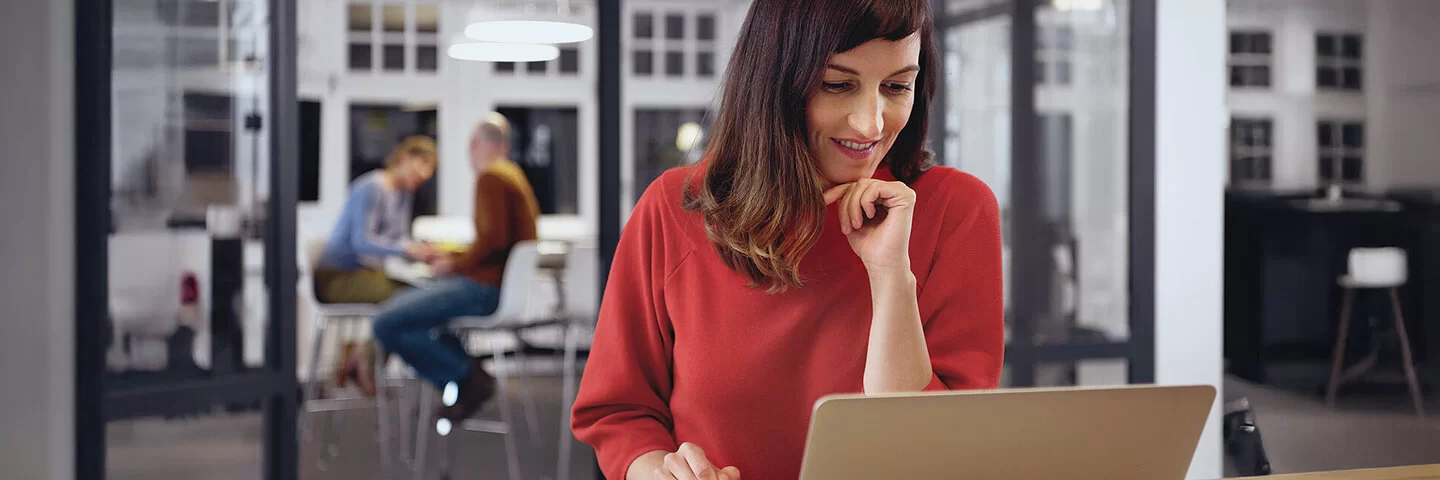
374,224
816,250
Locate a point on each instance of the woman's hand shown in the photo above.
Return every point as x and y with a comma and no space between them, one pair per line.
876,216
686,463
420,251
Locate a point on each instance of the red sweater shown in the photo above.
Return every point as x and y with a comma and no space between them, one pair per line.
686,352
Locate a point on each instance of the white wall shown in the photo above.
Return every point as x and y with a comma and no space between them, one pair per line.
1292,101
36,249
1189,186
1403,92
1401,96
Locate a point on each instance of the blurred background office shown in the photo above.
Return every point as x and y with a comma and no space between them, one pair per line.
1182,184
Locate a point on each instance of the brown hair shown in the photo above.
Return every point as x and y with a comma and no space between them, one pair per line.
412,146
762,194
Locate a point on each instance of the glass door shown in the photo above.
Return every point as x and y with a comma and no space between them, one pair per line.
1037,102
187,153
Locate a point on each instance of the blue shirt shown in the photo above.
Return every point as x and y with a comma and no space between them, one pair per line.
374,224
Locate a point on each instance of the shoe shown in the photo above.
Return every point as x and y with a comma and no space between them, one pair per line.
1242,440
476,388
364,371
346,369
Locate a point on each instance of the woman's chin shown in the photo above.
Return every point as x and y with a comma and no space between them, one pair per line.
841,176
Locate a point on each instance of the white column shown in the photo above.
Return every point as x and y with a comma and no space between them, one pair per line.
37,178
1189,210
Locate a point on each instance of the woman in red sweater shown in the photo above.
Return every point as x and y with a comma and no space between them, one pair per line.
816,250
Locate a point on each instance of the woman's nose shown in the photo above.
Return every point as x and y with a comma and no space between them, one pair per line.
865,116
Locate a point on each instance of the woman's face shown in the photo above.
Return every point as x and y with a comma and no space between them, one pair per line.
861,106
414,171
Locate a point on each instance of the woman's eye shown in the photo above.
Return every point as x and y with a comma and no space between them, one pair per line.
836,86
899,87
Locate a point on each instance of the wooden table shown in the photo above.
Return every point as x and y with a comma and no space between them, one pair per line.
1417,472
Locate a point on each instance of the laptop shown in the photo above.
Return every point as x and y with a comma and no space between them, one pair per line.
1114,433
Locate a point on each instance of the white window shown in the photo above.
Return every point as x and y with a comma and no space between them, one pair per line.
643,42
545,142
1338,60
427,38
1342,152
393,37
705,38
1054,54
673,44
1251,151
567,64
361,30
1251,53
666,138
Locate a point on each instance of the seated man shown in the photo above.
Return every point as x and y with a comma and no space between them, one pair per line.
467,284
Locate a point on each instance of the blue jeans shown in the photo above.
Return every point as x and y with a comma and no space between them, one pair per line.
407,325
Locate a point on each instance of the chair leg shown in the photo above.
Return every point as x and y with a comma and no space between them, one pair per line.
345,334
408,412
567,396
502,377
443,450
316,384
1339,354
382,414
1410,376
532,420
423,426
314,388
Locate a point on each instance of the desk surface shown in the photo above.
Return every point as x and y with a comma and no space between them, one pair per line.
1417,472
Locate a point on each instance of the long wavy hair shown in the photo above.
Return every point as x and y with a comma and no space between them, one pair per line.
761,191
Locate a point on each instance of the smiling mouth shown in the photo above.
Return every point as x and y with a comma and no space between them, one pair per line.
855,150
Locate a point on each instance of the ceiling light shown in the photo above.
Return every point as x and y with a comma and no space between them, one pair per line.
502,52
528,31
1078,5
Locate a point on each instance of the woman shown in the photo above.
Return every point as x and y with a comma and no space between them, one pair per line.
374,224
815,251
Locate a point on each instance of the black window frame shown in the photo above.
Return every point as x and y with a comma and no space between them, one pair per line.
1251,59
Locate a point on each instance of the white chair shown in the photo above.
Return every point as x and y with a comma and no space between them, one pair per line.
519,275
349,317
579,306
1373,269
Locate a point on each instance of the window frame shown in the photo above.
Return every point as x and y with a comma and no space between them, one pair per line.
1249,64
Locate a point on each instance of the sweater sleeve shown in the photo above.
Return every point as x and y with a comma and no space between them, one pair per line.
622,409
962,303
364,207
492,222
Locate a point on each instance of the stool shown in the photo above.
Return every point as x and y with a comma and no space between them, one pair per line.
503,427
1373,269
520,272
579,307
349,317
